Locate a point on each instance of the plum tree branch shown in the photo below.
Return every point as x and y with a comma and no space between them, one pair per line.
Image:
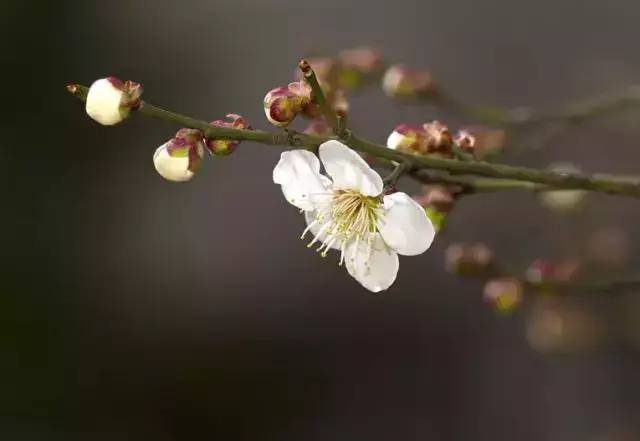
614,185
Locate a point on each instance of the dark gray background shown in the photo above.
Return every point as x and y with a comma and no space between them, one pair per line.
131,308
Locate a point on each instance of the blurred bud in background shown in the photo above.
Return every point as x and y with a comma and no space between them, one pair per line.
563,201
469,259
504,295
542,271
403,82
319,127
557,325
356,64
437,202
430,138
608,247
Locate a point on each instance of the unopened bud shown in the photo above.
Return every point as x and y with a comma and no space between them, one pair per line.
504,295
430,138
406,138
403,82
438,138
179,158
109,100
468,259
282,104
223,147
563,200
480,141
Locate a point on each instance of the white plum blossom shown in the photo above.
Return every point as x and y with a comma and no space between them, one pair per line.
109,100
348,211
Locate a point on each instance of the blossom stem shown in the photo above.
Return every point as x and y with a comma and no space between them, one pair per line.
399,170
320,99
614,185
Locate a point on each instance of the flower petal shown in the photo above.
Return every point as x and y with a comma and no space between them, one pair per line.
404,225
348,170
375,266
172,168
298,172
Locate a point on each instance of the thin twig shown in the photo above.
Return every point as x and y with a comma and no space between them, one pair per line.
614,185
318,96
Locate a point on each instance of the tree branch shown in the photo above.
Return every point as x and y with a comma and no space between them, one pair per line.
599,183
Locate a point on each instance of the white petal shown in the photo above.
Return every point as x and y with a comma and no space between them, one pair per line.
298,172
348,170
375,267
171,168
103,103
404,225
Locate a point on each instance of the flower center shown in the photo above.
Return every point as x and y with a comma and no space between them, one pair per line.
348,216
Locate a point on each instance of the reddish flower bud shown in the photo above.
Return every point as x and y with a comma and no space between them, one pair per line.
223,147
504,295
179,158
438,138
480,141
403,82
468,259
282,104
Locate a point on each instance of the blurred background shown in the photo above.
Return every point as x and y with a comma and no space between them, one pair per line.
133,308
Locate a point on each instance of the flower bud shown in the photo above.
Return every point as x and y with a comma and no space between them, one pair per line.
504,295
468,259
430,138
282,104
110,101
406,83
438,138
563,200
480,141
179,158
223,147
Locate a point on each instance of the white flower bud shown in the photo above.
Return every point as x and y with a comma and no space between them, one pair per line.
110,100
178,159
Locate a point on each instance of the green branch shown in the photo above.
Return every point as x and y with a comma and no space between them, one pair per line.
556,180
